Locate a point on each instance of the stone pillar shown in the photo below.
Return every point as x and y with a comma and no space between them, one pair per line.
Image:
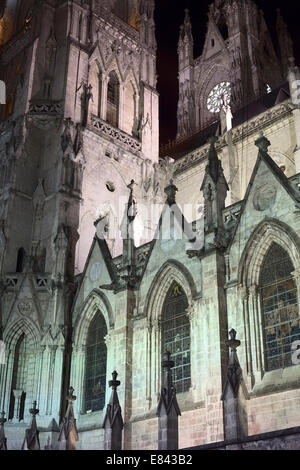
68,435
113,422
103,99
243,292
18,396
256,329
31,441
168,409
77,375
235,395
121,106
3,440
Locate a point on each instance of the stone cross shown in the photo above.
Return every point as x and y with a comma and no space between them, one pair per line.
235,395
3,440
168,409
68,435
31,441
113,422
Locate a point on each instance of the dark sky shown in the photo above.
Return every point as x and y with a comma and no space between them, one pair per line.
169,15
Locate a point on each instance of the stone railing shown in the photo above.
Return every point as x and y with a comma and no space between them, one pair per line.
12,281
45,107
41,281
107,130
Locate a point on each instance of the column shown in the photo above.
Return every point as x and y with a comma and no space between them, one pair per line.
191,313
256,351
77,376
103,100
121,106
244,294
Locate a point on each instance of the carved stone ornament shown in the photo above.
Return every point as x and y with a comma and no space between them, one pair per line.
25,307
264,197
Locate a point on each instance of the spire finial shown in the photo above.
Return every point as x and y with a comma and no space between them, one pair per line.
233,343
34,411
167,365
131,208
114,383
70,396
262,143
171,191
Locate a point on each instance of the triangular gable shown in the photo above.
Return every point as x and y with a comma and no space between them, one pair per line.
214,42
265,160
96,54
25,303
99,269
169,245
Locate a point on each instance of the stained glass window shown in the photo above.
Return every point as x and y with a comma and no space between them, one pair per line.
280,308
176,336
96,355
215,98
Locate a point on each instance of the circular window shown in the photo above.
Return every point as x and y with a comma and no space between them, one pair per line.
215,98
110,186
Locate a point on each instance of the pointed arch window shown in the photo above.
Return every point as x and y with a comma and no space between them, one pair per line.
176,336
113,98
279,307
19,379
95,371
20,260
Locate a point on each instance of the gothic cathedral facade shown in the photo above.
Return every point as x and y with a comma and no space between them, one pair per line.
112,252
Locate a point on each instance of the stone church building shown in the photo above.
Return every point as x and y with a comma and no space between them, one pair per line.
112,252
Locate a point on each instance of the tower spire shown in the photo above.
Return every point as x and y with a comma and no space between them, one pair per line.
285,43
113,422
214,188
31,441
68,435
235,394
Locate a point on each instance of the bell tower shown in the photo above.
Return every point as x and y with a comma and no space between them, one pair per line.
81,122
238,59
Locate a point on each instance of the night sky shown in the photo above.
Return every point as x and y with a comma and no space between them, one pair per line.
169,15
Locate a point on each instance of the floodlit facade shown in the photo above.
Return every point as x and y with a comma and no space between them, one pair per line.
112,252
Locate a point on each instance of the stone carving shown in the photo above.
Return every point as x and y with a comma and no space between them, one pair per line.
25,307
45,107
86,97
264,197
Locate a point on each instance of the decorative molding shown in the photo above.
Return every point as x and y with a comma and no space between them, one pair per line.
45,107
111,132
238,133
